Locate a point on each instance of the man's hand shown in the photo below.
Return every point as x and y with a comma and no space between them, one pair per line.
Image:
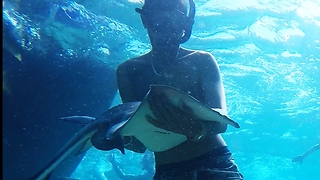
171,117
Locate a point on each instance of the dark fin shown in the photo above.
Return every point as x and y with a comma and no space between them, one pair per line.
100,142
35,177
115,130
48,176
78,119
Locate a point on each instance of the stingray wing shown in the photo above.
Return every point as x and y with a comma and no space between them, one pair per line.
196,108
157,139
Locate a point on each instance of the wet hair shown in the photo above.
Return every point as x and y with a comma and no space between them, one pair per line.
170,5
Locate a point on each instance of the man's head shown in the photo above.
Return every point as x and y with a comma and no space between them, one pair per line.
165,5
167,21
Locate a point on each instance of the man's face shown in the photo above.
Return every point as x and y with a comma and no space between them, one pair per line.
165,27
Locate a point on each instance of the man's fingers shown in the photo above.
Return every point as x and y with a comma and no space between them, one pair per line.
154,122
186,109
154,106
151,102
160,110
173,109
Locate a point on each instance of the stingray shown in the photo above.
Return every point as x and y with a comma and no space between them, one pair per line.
106,132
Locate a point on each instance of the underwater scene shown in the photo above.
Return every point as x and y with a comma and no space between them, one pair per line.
60,58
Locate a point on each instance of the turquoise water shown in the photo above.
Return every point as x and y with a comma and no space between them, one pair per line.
268,52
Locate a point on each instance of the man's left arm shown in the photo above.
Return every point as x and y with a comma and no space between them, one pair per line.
213,91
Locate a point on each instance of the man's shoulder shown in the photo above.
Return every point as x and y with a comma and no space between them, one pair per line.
132,63
205,54
200,53
199,57
135,60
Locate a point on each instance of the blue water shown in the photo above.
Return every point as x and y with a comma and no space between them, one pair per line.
268,52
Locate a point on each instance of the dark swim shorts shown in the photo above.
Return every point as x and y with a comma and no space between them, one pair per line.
215,165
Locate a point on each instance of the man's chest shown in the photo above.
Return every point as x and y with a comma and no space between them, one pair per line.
187,81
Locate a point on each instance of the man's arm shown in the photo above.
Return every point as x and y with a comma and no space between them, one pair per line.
125,84
214,94
127,95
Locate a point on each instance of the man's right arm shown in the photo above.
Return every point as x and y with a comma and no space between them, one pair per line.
127,95
125,84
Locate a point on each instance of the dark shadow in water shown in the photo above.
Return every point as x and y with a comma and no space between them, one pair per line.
36,92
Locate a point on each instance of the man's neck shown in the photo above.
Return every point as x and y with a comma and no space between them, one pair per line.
165,54
163,59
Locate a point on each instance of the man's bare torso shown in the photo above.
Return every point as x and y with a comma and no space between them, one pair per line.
185,73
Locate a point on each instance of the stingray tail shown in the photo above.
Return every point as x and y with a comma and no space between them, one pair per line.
78,119
36,177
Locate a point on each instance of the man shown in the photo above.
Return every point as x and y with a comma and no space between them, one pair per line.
205,154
